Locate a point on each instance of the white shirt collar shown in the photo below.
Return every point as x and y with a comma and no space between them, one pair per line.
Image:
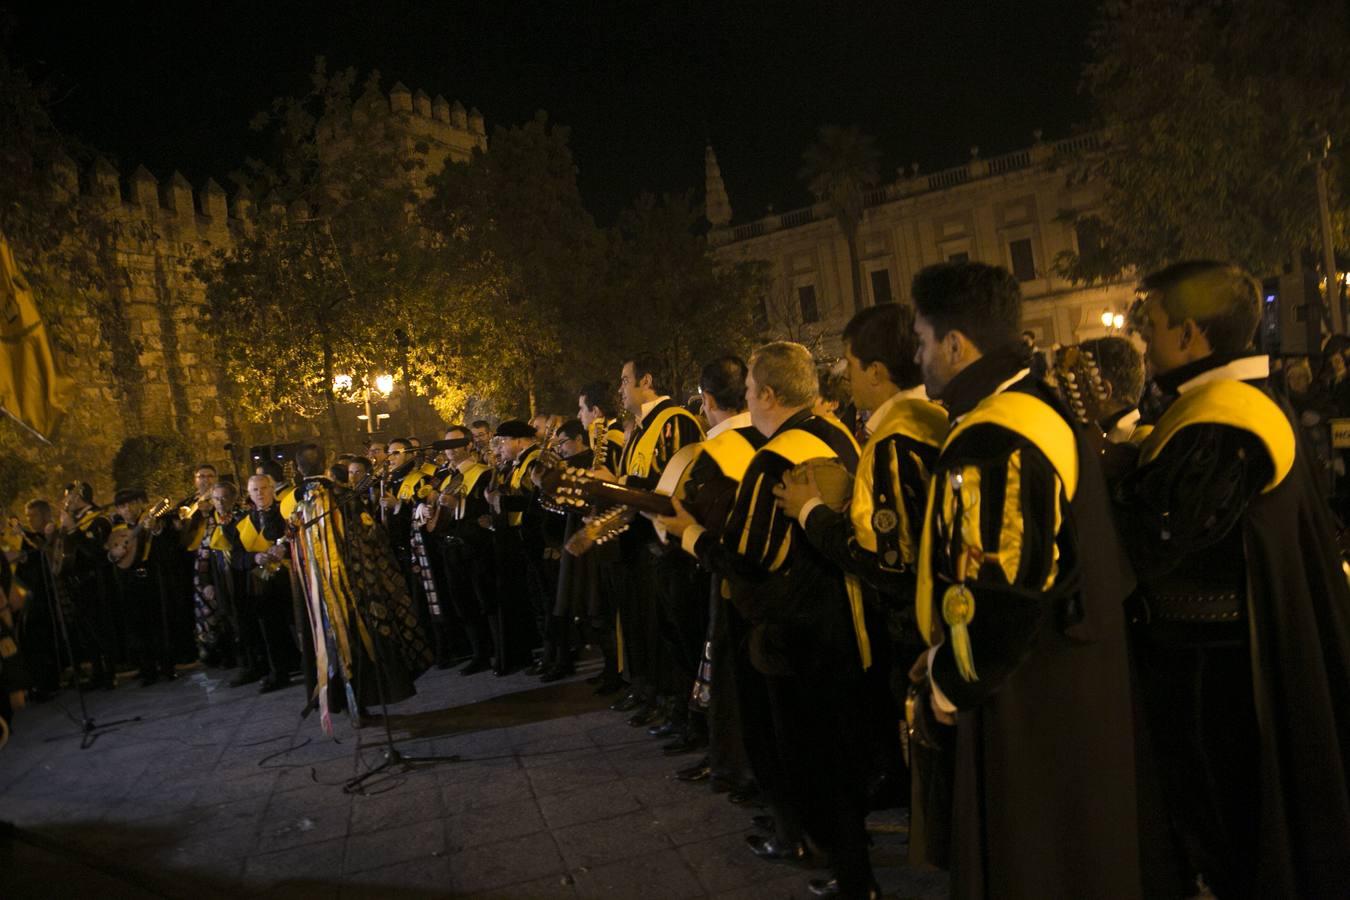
740,420
883,409
1246,368
649,406
1001,388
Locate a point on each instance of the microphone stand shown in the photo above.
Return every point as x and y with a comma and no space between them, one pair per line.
394,760
90,730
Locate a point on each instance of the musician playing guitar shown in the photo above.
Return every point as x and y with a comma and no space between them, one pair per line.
143,554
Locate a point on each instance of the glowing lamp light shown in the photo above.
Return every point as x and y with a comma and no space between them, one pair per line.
384,384
342,382
1107,318
1118,321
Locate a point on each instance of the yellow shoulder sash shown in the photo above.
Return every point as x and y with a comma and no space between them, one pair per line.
250,537
797,446
640,460
1237,405
921,421
731,451
286,497
219,541
518,473
1035,420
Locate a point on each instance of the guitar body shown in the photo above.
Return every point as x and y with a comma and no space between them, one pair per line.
125,544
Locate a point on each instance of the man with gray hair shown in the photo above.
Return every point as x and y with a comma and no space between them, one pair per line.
807,641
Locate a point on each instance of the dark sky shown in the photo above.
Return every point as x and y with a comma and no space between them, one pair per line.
641,83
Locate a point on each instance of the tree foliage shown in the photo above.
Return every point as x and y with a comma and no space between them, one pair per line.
517,211
1214,112
671,298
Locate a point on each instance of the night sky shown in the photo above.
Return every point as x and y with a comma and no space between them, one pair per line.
642,83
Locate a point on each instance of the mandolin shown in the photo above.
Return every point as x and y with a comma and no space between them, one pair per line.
124,544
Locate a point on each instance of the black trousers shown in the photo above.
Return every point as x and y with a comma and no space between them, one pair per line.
1198,704
631,581
143,599
682,624
470,594
265,619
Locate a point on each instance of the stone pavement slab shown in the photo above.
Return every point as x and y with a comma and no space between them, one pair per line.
222,792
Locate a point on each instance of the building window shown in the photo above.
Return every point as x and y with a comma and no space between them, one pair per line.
959,256
1023,260
761,315
806,297
881,286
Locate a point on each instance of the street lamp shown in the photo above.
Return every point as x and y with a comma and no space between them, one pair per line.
384,386
1112,321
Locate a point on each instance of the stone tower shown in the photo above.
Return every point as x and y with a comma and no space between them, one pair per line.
717,205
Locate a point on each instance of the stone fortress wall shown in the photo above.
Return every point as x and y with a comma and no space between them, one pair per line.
141,353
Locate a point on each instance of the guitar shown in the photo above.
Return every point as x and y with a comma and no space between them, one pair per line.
124,544
1078,379
569,486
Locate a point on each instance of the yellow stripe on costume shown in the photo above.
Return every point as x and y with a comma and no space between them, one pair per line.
1033,419
639,461
1237,405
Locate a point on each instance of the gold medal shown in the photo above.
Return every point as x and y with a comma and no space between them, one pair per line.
958,606
884,521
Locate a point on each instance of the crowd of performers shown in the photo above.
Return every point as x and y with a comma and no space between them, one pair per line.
1091,627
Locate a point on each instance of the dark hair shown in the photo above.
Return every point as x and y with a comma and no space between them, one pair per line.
309,460
128,495
885,334
571,429
1121,366
1222,299
338,473
229,487
201,466
597,393
39,503
724,380
644,364
982,302
462,429
83,489
365,462
406,442
481,423
833,386
272,469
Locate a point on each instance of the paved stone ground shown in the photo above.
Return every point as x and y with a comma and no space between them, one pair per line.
218,791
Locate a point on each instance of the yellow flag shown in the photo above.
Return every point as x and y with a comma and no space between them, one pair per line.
31,390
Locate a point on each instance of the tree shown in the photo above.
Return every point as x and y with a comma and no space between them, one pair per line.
336,266
516,211
670,297
1213,113
838,169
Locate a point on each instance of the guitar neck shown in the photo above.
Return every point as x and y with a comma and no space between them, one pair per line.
647,501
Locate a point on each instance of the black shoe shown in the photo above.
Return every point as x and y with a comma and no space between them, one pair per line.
627,702
597,678
536,668
699,771
764,823
248,676
665,729
444,664
169,674
609,686
475,666
685,743
745,796
820,887
148,678
645,715
273,684
769,848
558,673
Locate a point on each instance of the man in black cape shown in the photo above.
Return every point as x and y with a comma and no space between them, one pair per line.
1242,620
1020,594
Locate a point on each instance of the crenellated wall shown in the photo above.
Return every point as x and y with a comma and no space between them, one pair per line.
140,348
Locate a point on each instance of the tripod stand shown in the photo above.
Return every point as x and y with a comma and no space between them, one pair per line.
90,730
395,760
